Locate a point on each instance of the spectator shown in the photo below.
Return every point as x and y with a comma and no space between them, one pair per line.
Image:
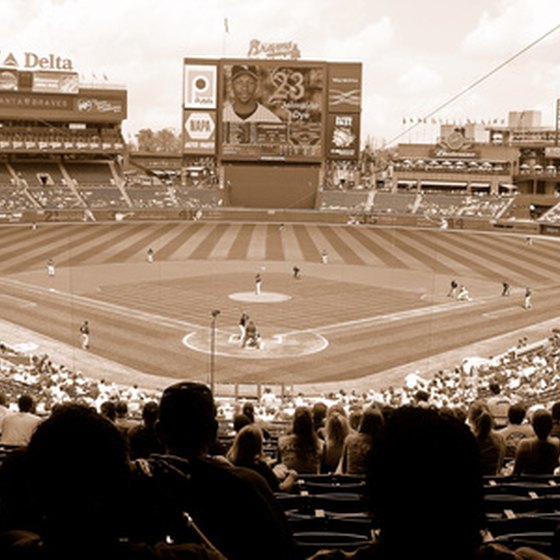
240,421
516,430
123,422
302,450
336,430
555,411
358,446
108,409
430,507
319,414
355,417
17,427
3,408
491,445
78,474
498,405
143,439
539,454
247,451
233,506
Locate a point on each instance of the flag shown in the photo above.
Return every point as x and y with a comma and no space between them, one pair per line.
105,77
226,25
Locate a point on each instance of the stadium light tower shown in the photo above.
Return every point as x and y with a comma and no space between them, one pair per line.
214,315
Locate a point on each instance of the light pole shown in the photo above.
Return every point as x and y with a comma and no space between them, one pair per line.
214,314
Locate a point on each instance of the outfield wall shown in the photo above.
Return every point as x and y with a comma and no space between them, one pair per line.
268,215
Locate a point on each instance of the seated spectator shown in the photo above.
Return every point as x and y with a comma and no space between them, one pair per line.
498,405
491,445
302,450
358,446
336,430
555,411
247,451
240,421
78,474
108,409
355,417
233,506
516,430
122,420
319,414
3,408
17,427
538,454
143,439
426,493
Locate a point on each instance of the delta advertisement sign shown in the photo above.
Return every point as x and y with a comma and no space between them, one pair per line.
34,61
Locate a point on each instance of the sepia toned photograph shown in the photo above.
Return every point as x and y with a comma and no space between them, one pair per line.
280,280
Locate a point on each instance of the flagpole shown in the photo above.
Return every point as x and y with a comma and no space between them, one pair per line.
224,41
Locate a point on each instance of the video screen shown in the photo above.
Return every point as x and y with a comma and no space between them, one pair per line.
272,110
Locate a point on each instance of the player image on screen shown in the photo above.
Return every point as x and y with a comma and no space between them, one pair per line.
245,107
272,109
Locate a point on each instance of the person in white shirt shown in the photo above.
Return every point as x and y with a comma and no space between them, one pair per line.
18,427
245,106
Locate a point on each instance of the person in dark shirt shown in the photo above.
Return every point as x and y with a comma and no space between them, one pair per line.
143,439
234,507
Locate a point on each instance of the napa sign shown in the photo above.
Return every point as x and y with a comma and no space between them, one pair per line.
33,61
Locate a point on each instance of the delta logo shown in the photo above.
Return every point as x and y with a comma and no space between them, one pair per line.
32,61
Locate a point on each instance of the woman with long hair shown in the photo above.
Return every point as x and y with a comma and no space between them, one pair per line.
336,430
302,450
247,451
357,446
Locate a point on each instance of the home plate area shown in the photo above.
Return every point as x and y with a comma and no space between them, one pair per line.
269,345
273,346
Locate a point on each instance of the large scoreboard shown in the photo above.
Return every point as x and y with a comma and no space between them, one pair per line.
271,110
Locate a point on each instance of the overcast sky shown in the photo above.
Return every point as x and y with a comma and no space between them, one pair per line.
416,54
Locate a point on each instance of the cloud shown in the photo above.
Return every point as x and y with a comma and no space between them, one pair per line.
420,79
514,25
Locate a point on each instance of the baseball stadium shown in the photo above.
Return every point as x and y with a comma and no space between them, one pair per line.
259,198
275,262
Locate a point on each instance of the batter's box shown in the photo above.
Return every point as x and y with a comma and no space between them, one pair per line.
274,346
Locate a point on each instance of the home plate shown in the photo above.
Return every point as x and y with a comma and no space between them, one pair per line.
263,297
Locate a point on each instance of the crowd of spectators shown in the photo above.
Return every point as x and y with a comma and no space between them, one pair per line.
89,484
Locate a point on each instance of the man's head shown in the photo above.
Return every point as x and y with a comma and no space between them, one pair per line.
439,491
516,413
78,471
494,388
187,418
542,424
244,81
26,403
243,70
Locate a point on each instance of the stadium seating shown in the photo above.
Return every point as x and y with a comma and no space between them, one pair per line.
90,173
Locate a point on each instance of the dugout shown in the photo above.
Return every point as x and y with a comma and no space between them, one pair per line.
271,186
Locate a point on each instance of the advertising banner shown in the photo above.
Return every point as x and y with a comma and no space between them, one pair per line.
201,86
8,80
199,132
88,106
343,136
56,82
272,110
345,87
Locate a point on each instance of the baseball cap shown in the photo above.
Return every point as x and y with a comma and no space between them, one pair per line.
240,69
